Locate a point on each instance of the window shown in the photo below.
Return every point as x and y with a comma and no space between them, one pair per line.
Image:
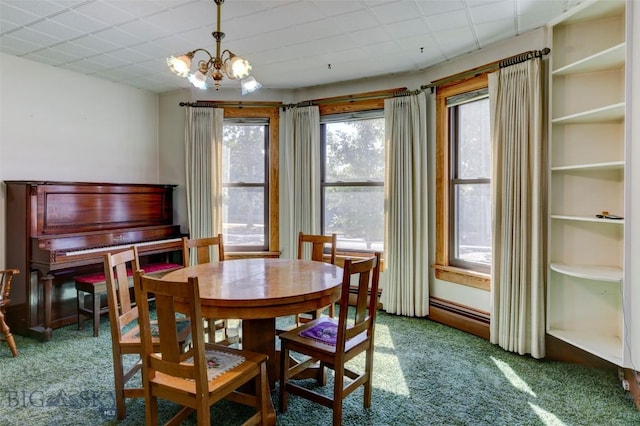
470,196
463,170
353,179
245,184
250,146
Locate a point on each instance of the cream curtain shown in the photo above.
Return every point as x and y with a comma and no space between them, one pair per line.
299,176
518,194
203,156
405,283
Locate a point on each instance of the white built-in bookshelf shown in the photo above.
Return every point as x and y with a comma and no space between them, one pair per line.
588,108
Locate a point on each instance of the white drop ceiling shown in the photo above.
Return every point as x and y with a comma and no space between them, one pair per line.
290,43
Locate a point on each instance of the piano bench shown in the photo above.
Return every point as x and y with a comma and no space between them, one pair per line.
95,286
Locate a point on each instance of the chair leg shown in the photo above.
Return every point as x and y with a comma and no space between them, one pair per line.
284,377
262,394
151,410
8,336
118,379
369,372
321,375
338,395
332,310
96,314
79,307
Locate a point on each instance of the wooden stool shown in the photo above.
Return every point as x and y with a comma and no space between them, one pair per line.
95,286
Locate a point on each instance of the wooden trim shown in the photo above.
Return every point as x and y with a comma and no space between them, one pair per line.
634,384
251,254
273,114
442,266
461,317
359,102
463,276
354,106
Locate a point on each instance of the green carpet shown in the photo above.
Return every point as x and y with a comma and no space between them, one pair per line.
424,374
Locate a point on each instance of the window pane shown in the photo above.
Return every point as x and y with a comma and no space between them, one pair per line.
473,223
355,151
474,143
243,153
356,215
243,216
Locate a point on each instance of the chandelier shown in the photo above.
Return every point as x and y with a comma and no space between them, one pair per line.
217,67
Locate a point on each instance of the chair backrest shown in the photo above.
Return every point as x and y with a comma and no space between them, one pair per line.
202,249
169,354
367,274
117,271
6,275
318,243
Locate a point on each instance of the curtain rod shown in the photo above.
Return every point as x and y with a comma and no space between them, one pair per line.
493,66
384,94
229,104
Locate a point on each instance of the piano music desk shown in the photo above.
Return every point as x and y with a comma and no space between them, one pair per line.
95,286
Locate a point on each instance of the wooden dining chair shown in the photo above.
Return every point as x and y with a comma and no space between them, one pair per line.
317,245
203,375
202,249
123,319
6,275
333,342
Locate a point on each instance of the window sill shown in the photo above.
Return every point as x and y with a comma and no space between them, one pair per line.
250,254
463,276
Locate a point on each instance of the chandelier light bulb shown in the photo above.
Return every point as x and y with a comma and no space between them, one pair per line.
180,65
249,84
238,67
199,80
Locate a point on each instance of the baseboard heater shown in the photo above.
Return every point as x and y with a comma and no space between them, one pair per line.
459,316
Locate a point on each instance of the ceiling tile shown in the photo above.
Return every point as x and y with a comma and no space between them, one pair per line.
37,8
494,11
56,29
53,57
438,7
80,22
35,37
17,46
448,21
105,12
13,13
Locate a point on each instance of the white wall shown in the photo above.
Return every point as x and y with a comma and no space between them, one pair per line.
58,125
172,123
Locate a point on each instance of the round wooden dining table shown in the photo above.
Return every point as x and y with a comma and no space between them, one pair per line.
257,291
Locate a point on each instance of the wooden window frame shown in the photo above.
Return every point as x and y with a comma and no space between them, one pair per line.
354,105
273,116
442,266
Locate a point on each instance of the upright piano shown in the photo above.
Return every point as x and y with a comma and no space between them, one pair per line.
58,230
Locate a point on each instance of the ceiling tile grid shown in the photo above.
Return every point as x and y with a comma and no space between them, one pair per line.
290,43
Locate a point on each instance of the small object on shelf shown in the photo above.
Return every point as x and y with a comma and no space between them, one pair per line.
606,215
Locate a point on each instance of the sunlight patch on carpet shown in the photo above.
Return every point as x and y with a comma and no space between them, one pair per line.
548,419
388,361
513,377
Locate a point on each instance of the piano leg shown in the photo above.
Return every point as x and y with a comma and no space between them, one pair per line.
44,331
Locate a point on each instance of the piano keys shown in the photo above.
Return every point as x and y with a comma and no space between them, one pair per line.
58,230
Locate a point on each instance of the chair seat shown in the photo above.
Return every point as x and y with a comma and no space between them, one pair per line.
96,286
299,337
132,336
248,363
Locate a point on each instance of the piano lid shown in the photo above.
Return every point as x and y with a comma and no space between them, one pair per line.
68,208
